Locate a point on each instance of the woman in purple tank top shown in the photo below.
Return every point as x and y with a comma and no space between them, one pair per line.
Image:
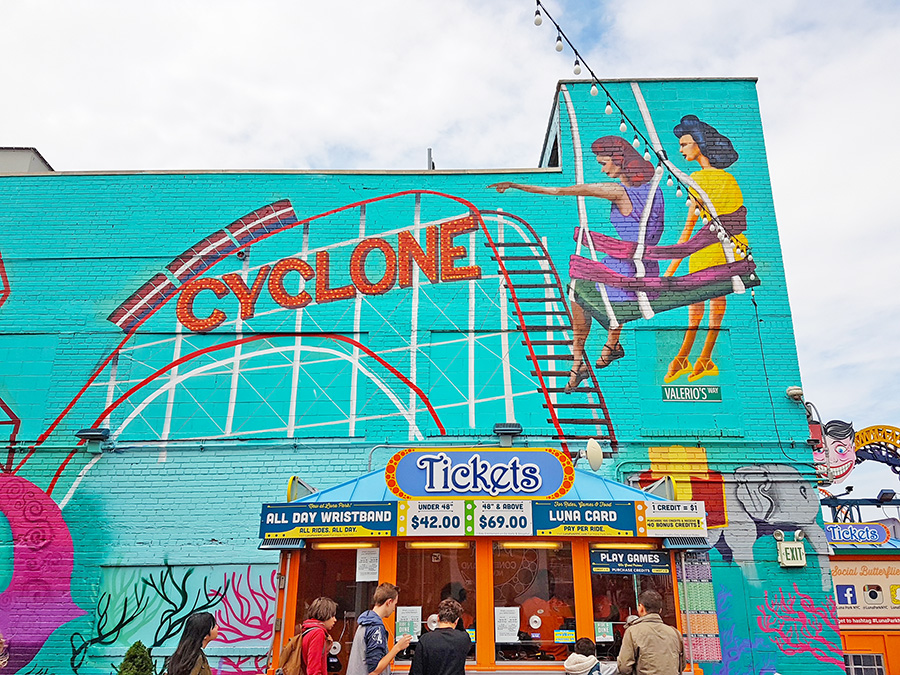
627,198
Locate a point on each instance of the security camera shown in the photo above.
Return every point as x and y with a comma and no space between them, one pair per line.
794,393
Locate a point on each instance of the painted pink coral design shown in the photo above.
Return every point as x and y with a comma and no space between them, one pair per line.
38,599
248,665
807,629
247,611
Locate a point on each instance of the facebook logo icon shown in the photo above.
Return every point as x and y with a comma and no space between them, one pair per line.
846,594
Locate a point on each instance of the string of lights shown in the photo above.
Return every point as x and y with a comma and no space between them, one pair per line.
741,248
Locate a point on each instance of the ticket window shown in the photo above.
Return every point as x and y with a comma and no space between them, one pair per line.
534,601
428,572
662,584
332,573
615,598
614,601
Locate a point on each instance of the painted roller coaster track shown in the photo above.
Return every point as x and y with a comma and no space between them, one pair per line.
538,296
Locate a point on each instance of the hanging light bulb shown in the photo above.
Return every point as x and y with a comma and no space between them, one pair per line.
559,44
705,220
647,155
577,68
636,142
712,228
678,192
670,182
622,127
608,108
697,211
688,203
594,90
538,20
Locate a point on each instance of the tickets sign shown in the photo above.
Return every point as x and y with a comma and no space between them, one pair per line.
856,533
479,473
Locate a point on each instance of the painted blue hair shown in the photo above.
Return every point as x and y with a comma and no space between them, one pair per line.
716,147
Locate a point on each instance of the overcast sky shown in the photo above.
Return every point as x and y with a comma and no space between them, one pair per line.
354,84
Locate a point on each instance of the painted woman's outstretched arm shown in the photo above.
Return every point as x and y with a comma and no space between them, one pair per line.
614,192
685,236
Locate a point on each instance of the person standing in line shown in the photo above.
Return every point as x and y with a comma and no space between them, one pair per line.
369,654
583,661
443,651
199,630
650,647
307,651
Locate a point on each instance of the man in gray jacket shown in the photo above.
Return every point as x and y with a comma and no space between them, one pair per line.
369,653
650,647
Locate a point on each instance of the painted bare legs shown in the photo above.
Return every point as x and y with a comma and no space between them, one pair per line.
581,328
704,365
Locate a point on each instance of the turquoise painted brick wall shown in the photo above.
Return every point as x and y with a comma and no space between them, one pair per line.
109,277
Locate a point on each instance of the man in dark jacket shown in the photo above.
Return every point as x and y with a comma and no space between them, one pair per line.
369,654
650,647
443,651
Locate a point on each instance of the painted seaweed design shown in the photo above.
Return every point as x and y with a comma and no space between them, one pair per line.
109,627
174,593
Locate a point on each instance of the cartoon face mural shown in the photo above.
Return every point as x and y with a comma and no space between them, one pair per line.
245,328
838,450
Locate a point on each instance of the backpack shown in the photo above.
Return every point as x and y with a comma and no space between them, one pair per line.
291,660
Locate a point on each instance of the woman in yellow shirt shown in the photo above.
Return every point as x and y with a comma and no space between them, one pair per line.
699,142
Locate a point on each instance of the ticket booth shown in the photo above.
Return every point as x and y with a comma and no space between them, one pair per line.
537,552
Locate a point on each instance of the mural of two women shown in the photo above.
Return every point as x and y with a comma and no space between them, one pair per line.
616,303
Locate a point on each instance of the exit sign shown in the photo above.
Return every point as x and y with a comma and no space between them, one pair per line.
791,554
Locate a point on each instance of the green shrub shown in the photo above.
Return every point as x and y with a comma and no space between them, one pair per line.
137,661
